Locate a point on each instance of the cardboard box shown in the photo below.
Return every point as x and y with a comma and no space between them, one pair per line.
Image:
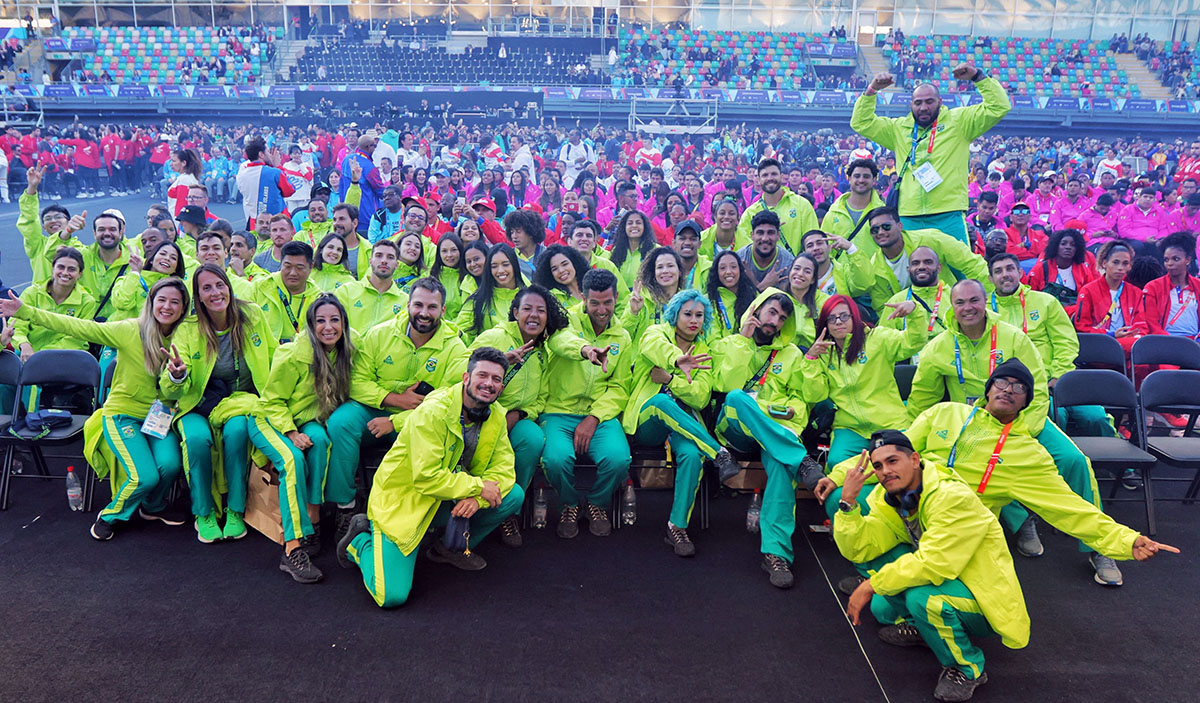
262,503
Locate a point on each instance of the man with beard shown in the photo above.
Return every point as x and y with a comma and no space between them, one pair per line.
375,298
763,257
452,459
927,289
983,221
695,265
934,143
794,213
285,295
56,230
358,250
104,262
846,212
317,225
399,363
764,409
836,273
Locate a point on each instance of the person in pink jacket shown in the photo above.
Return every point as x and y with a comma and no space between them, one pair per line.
1186,218
1143,220
1042,201
1072,204
1101,221
1018,195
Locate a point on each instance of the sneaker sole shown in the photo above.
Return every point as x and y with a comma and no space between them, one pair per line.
600,532
791,583
343,544
1110,584
163,520
297,578
675,548
439,559
98,538
201,540
234,537
1031,555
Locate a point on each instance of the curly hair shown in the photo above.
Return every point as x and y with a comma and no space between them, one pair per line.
556,317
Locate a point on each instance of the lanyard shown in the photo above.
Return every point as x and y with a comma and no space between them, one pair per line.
724,313
760,377
1184,301
145,288
1024,318
287,307
958,358
992,461
1113,308
916,140
937,303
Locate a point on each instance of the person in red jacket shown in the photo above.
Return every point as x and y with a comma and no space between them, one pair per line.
1170,302
68,173
1110,305
1064,268
485,211
1026,241
88,160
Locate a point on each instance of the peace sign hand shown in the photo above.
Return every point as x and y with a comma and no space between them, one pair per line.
516,356
635,298
689,363
820,346
176,367
856,477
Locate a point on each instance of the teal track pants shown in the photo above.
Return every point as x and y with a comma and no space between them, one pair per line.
843,445
286,459
151,466
388,573
608,450
745,426
196,440
347,431
316,461
947,616
527,442
1072,465
952,223
689,466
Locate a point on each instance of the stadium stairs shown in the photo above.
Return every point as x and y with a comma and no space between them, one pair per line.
1140,75
872,60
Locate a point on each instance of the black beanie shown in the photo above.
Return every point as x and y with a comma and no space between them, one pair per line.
1013,368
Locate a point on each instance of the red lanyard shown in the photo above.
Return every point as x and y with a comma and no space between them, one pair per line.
937,303
932,134
995,458
1024,319
992,353
763,379
1191,298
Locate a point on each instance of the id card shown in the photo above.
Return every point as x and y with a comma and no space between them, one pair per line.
927,176
158,421
971,399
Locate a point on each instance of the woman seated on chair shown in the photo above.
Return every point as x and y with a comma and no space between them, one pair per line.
139,448
132,289
1169,302
1110,304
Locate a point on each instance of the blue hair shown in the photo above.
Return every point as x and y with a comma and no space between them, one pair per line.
683,297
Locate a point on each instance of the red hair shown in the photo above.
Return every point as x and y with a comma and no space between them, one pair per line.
858,335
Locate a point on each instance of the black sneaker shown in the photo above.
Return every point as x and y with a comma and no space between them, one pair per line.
779,569
598,522
902,635
300,567
311,544
101,530
167,516
811,472
1130,480
677,538
727,468
850,584
355,526
568,522
462,560
510,532
341,522
954,687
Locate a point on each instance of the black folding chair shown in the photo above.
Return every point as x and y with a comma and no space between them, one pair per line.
1177,392
52,370
1165,350
1114,392
10,379
1099,351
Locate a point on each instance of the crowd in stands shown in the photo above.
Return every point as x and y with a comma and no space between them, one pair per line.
1174,64
494,304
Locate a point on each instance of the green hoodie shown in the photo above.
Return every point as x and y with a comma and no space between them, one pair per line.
525,388
579,387
954,255
960,540
389,363
129,295
502,299
657,348
40,247
936,300
78,304
708,241
284,312
367,307
98,277
1047,324
948,151
737,359
937,373
865,391
289,396
838,220
420,470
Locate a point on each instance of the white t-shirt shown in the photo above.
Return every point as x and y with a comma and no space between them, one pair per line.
1118,319
1066,277
900,268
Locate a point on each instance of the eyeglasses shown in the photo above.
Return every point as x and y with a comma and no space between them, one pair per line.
1005,384
838,319
886,227
54,217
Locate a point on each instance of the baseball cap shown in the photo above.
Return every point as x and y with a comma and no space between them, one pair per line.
192,214
485,202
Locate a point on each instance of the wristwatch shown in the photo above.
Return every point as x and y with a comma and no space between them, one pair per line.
845,507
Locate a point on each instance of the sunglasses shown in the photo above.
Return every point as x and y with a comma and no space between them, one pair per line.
886,227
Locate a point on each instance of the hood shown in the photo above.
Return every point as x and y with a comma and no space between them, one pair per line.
789,328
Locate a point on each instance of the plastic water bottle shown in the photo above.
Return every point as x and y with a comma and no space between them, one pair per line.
628,505
74,490
539,509
754,511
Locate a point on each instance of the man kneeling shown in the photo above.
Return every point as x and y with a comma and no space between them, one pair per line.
451,459
949,575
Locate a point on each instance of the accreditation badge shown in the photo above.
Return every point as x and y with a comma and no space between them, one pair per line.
927,176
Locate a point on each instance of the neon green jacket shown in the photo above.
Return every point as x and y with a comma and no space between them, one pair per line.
78,304
796,216
736,360
525,389
657,348
367,307
40,247
257,349
98,276
454,293
942,310
312,233
330,277
852,276
628,272
289,396
579,387
806,327
865,391
637,323
724,315
129,295
418,473
937,373
708,240
950,153
838,220
389,363
502,299
252,273
1025,473
697,278
1049,327
960,540
600,261
276,303
954,255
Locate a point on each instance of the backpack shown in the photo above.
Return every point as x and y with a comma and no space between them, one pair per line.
41,422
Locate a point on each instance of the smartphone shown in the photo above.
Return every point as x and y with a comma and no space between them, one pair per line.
423,388
779,411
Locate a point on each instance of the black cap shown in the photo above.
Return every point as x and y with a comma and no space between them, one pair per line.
1012,368
192,214
689,224
882,438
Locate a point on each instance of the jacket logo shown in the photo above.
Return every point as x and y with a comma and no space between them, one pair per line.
777,368
196,356
943,434
616,350
1035,315
358,303
71,312
792,213
431,365
388,359
256,340
395,309
999,356
862,357
266,308
128,431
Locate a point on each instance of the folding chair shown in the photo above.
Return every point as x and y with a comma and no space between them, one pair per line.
1114,392
50,369
10,378
1099,351
1165,350
1176,392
